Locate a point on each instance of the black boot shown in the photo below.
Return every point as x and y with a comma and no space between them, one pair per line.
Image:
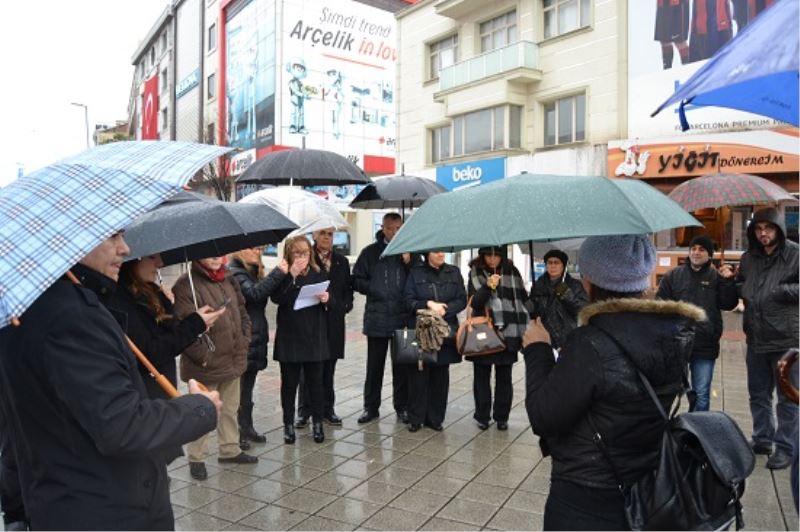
246,430
288,434
319,433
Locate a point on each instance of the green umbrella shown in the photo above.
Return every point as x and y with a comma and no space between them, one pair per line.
531,207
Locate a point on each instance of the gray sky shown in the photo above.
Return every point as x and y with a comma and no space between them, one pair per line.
53,52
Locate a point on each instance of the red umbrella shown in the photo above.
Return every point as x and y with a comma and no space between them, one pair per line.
725,190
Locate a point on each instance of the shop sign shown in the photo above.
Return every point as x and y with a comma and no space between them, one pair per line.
241,161
473,173
188,83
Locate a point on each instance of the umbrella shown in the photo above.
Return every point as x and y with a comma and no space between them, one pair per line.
52,218
529,207
307,210
305,168
192,226
396,191
744,75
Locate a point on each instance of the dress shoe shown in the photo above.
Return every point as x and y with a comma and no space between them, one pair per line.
319,433
502,425
437,428
483,425
333,419
779,460
301,422
250,434
198,470
761,448
414,427
288,434
368,416
402,417
243,443
241,458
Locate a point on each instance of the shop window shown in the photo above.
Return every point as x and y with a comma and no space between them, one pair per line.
565,120
564,16
212,37
442,54
499,31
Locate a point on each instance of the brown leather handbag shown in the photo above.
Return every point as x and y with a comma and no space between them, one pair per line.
478,336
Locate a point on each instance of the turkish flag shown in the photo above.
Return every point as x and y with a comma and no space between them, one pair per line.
150,109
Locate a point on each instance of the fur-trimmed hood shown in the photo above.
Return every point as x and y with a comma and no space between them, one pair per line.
649,306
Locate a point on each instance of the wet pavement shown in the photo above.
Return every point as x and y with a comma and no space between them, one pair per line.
379,476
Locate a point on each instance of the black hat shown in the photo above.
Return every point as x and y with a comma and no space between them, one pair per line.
492,250
557,253
704,241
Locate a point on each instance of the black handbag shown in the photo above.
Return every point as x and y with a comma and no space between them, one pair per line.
404,349
478,336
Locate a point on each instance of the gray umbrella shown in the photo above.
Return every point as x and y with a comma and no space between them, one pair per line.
396,191
303,168
191,226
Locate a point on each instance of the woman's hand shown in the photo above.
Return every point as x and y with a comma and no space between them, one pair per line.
493,281
323,297
535,333
298,266
439,308
209,315
283,266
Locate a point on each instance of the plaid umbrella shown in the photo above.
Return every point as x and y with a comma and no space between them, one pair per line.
52,218
726,190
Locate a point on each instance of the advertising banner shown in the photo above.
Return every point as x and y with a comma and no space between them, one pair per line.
338,78
471,174
668,41
150,109
250,73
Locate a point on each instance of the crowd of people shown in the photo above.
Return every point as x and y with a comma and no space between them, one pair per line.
73,393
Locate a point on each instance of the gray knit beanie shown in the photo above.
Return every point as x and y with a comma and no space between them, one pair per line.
620,263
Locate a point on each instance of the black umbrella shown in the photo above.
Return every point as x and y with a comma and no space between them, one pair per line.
303,168
191,226
396,191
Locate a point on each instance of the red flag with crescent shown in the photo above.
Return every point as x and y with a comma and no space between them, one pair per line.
150,109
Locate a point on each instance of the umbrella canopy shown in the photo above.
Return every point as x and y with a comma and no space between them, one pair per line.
303,168
532,207
396,192
52,218
742,75
192,226
307,210
727,190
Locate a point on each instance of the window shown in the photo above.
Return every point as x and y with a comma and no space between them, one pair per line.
212,37
164,118
563,16
163,46
211,137
440,143
443,54
211,86
152,56
479,131
164,79
565,120
499,32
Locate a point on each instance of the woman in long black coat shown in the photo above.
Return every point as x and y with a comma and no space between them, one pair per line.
558,298
439,287
495,284
301,341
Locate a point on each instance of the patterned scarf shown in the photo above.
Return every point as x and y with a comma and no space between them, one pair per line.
509,303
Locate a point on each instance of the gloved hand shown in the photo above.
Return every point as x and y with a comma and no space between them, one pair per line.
560,290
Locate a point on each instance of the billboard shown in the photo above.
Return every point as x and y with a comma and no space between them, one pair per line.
471,174
668,41
338,73
250,73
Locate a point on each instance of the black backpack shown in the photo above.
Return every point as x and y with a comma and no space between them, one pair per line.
699,480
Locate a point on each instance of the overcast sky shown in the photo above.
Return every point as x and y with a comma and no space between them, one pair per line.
54,52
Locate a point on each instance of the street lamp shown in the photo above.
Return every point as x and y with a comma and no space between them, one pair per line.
86,120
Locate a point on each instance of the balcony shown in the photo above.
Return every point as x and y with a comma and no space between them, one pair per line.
518,62
457,8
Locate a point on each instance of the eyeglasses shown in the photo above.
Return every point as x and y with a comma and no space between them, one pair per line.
300,253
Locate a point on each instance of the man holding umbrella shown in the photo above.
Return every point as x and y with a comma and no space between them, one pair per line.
88,440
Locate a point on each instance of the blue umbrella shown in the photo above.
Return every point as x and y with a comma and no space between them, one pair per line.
53,217
757,71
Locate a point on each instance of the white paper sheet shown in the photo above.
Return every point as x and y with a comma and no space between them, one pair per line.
307,296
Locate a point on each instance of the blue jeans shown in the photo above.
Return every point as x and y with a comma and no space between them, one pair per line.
702,371
761,368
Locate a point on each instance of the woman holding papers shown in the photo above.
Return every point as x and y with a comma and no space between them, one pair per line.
301,336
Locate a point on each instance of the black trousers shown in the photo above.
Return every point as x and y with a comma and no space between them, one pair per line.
427,392
10,490
376,360
570,506
290,378
482,390
247,383
328,395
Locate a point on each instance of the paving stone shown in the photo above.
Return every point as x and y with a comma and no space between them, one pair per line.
266,490
421,502
232,507
375,492
527,501
274,518
296,475
394,519
479,492
511,519
476,513
359,468
348,510
320,523
334,483
193,496
398,476
305,500
438,523
200,521
437,483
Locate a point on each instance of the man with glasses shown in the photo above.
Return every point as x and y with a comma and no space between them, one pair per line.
768,283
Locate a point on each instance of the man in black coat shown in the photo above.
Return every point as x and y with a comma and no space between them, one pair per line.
88,440
698,281
768,284
341,303
382,280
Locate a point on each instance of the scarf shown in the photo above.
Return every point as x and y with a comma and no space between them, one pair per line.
216,276
325,259
509,301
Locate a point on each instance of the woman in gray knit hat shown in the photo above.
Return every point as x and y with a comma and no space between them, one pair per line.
594,386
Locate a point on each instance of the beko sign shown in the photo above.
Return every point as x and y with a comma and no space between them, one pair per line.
473,173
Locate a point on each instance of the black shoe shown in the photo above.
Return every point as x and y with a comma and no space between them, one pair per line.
483,425
243,443
301,422
779,460
414,427
333,419
402,417
288,434
368,416
241,458
318,432
250,434
502,425
437,428
761,448
198,470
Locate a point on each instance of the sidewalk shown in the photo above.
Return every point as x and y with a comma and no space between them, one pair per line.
381,477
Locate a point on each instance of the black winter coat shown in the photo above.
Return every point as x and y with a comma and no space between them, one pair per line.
443,285
301,335
559,313
88,439
706,289
594,377
341,290
256,295
382,280
769,286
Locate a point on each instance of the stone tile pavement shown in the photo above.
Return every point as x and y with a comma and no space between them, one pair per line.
379,476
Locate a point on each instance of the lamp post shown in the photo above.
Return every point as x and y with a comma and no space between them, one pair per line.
85,119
